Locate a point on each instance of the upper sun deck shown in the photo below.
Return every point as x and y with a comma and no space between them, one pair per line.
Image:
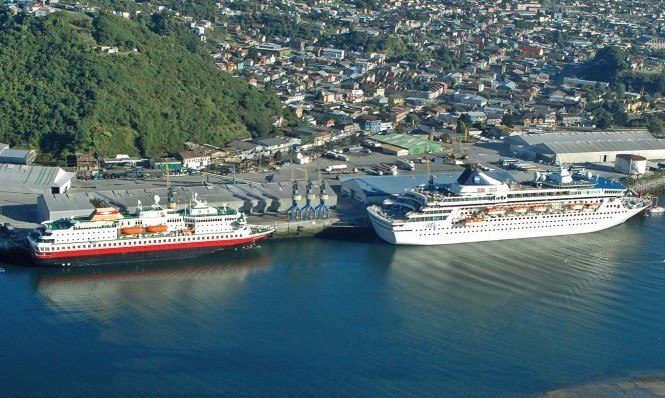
463,192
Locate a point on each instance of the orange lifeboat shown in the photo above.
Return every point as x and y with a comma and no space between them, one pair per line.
540,207
519,209
593,205
575,206
154,229
473,219
135,230
495,210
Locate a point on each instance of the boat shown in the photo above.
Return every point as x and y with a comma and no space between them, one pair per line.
134,230
575,205
654,208
154,229
473,219
519,209
442,214
495,210
540,207
150,231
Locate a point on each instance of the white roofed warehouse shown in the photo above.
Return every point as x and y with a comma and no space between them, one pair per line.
34,179
586,146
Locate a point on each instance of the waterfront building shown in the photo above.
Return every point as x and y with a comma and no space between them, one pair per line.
247,198
34,179
16,156
586,146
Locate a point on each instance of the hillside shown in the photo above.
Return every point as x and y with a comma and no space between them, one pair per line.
61,92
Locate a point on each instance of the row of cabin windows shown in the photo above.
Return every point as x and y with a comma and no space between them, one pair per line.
139,243
497,229
526,222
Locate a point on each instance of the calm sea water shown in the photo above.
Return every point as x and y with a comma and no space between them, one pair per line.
319,318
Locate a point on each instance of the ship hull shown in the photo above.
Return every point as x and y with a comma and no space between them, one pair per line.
519,227
187,248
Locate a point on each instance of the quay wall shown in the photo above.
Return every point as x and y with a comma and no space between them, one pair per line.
652,185
332,228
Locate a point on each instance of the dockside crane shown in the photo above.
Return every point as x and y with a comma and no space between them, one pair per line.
308,212
294,212
322,210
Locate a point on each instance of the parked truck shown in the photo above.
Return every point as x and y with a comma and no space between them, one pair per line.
405,164
335,168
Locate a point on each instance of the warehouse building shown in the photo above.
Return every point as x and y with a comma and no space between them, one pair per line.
249,199
586,146
16,156
34,179
405,144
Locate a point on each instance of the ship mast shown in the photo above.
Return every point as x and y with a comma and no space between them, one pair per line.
169,190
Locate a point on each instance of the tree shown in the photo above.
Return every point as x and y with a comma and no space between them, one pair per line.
656,126
603,119
507,119
462,128
607,65
412,119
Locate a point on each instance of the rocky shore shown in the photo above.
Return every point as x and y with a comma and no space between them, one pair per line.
652,185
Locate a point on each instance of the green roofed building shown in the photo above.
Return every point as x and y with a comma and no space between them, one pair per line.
405,144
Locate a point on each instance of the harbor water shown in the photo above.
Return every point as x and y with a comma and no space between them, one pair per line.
333,318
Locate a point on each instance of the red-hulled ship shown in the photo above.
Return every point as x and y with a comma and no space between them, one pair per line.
151,230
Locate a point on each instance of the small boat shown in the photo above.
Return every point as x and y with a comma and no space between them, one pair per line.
472,219
154,229
575,205
135,230
540,207
495,210
519,209
655,209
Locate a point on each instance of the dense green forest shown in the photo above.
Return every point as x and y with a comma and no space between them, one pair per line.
60,93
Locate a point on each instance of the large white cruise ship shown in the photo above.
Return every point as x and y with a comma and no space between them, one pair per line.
151,230
478,208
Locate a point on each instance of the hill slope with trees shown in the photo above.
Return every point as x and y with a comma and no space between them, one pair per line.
61,92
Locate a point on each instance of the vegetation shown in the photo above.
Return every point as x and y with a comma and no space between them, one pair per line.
609,65
61,92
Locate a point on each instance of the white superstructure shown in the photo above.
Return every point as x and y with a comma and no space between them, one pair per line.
478,207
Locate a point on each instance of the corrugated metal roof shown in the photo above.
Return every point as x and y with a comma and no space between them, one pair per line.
592,141
404,140
37,179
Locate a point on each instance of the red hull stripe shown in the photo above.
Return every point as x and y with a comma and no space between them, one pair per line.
150,247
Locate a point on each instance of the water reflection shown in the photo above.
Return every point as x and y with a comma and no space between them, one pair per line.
561,298
148,289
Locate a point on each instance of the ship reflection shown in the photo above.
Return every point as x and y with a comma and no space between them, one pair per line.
482,276
148,288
